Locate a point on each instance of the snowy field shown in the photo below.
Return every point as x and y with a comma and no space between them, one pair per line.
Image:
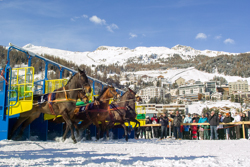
120,153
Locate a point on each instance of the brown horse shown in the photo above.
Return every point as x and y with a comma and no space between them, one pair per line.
64,103
124,111
98,113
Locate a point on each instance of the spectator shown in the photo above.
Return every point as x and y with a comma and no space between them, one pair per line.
186,132
176,124
237,127
196,118
182,127
203,119
232,134
245,118
206,129
227,119
148,128
220,128
164,126
155,120
194,131
214,122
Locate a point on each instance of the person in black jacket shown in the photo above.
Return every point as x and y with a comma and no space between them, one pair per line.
164,126
245,118
232,133
148,128
177,124
214,122
227,119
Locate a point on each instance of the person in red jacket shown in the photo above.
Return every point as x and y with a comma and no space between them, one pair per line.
194,131
155,120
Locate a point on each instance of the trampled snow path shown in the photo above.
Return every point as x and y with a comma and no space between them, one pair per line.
120,153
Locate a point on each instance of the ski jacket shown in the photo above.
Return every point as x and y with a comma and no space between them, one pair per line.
154,119
177,120
202,120
164,121
148,128
187,120
214,120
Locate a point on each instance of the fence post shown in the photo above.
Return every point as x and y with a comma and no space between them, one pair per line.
243,128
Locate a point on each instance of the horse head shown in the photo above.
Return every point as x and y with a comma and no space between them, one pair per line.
81,95
138,98
112,93
84,82
96,101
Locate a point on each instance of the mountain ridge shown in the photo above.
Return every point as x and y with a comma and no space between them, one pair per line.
121,55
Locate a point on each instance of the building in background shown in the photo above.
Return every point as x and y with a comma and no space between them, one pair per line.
149,92
211,86
239,86
191,92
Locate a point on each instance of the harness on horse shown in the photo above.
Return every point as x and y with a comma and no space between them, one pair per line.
51,100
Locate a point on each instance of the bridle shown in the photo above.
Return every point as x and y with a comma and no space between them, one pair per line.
84,84
114,95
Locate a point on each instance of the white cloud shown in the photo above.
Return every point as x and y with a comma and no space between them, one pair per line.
77,17
201,36
85,16
112,27
229,41
218,37
97,20
132,35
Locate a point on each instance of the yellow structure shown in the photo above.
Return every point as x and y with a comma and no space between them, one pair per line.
51,85
21,94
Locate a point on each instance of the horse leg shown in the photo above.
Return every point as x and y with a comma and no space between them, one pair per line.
28,122
98,129
104,127
65,133
125,130
69,125
17,124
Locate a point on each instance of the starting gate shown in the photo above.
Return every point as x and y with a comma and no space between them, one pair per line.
17,87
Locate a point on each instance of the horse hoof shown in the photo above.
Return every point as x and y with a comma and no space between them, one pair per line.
107,138
126,138
74,141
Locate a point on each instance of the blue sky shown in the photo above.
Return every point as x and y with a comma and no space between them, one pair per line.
84,25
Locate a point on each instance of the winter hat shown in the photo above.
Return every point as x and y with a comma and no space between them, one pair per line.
227,114
147,116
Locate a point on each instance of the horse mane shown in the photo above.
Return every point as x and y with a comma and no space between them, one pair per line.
102,92
84,76
70,79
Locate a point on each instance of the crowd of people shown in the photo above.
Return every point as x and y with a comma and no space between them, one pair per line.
212,131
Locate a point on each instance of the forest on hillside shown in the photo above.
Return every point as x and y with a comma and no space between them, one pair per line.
234,65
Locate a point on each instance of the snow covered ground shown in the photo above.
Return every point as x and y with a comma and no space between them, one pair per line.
197,107
120,153
187,74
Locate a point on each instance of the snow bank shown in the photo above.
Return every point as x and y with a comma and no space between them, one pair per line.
120,153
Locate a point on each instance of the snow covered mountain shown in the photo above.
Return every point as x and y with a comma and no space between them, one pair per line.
120,55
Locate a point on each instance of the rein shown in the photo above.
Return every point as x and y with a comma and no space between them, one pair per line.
66,98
